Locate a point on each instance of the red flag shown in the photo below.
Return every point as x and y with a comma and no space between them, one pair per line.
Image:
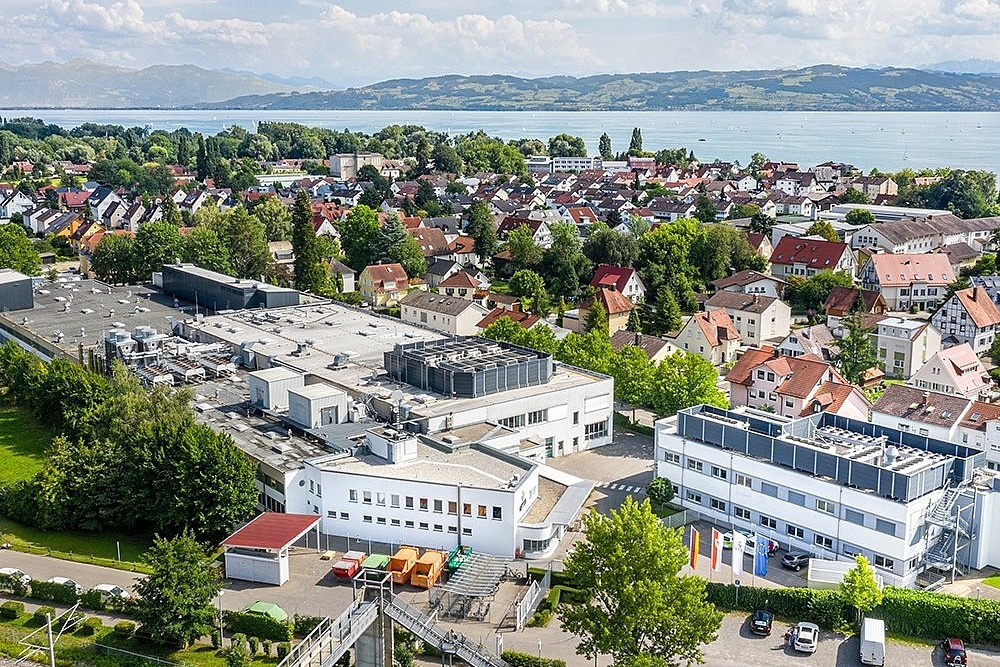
694,547
716,550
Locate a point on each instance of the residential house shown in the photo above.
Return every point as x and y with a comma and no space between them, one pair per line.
816,340
873,186
957,371
903,346
461,285
762,245
455,316
440,269
758,318
615,305
843,301
431,240
463,250
624,280
805,257
657,349
749,281
907,281
669,209
793,386
346,273
101,199
926,413
796,182
14,201
539,230
383,285
968,316
518,317
711,335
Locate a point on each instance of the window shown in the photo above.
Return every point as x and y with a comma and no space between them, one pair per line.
409,502
466,509
380,499
576,418
481,511
366,497
394,500
408,524
466,531
672,457
720,473
854,516
352,495
797,498
424,525
794,531
695,465
741,513
497,513
367,518
849,550
768,522
743,480
517,421
438,505
770,376
883,562
424,503
538,416
394,522
789,403
452,507
438,528
887,527
344,516
312,486
596,430
380,520
453,529
760,374
694,497
824,506
718,505
823,541
769,489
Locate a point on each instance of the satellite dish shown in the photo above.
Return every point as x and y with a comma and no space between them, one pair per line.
397,397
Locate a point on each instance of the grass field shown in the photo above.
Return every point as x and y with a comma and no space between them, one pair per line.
22,445
97,548
993,581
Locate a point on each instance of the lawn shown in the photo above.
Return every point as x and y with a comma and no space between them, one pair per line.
993,581
22,445
98,548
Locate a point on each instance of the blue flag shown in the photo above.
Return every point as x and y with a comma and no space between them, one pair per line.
760,557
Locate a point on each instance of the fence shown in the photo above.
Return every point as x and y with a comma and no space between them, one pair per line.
112,649
683,518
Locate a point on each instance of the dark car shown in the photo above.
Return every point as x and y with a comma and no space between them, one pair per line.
760,622
795,560
954,652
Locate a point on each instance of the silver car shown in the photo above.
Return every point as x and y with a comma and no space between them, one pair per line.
805,637
17,574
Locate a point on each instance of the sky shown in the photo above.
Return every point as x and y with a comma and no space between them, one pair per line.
356,42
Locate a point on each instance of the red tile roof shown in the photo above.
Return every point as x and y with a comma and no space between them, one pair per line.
525,320
608,275
272,530
902,270
613,301
717,326
814,254
979,306
459,279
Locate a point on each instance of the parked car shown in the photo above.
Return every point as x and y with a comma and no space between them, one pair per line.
795,560
110,591
17,574
954,652
67,582
805,637
749,547
760,622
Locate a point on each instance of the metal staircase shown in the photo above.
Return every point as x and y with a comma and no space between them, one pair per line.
332,638
954,527
941,514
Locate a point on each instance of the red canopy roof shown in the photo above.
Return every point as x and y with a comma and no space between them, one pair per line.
272,530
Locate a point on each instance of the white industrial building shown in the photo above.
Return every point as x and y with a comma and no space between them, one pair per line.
402,488
835,487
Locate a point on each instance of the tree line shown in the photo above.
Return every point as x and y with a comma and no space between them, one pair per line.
122,457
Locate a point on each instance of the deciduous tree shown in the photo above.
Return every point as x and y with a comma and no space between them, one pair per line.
275,216
859,588
17,251
637,606
859,216
824,229
684,379
358,236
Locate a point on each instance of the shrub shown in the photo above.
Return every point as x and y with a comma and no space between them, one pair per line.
124,629
237,655
216,639
305,624
93,600
38,618
540,619
256,625
283,650
660,491
52,592
254,645
12,585
11,610
237,639
518,659
90,627
69,619
266,647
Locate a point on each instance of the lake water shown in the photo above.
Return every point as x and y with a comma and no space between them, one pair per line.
886,140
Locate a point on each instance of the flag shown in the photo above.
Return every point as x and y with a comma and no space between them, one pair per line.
760,556
695,536
716,550
739,544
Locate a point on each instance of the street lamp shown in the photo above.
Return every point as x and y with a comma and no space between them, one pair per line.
539,650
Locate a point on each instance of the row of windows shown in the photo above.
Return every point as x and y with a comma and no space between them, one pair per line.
791,496
398,523
595,430
534,417
424,504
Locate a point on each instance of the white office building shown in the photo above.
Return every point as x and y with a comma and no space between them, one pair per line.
832,486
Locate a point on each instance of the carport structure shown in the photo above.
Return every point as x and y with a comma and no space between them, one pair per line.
259,550
470,589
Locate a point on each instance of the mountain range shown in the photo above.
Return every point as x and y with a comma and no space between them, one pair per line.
85,84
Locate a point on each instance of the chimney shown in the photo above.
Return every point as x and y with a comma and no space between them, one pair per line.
925,398
975,293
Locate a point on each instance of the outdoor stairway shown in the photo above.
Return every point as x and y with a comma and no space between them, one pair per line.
941,554
332,638
942,515
445,641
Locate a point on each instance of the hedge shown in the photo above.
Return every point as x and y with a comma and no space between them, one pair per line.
38,618
93,599
518,659
124,629
11,610
53,592
12,585
906,612
303,624
90,627
256,625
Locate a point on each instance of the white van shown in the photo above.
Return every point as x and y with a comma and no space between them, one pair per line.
873,641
